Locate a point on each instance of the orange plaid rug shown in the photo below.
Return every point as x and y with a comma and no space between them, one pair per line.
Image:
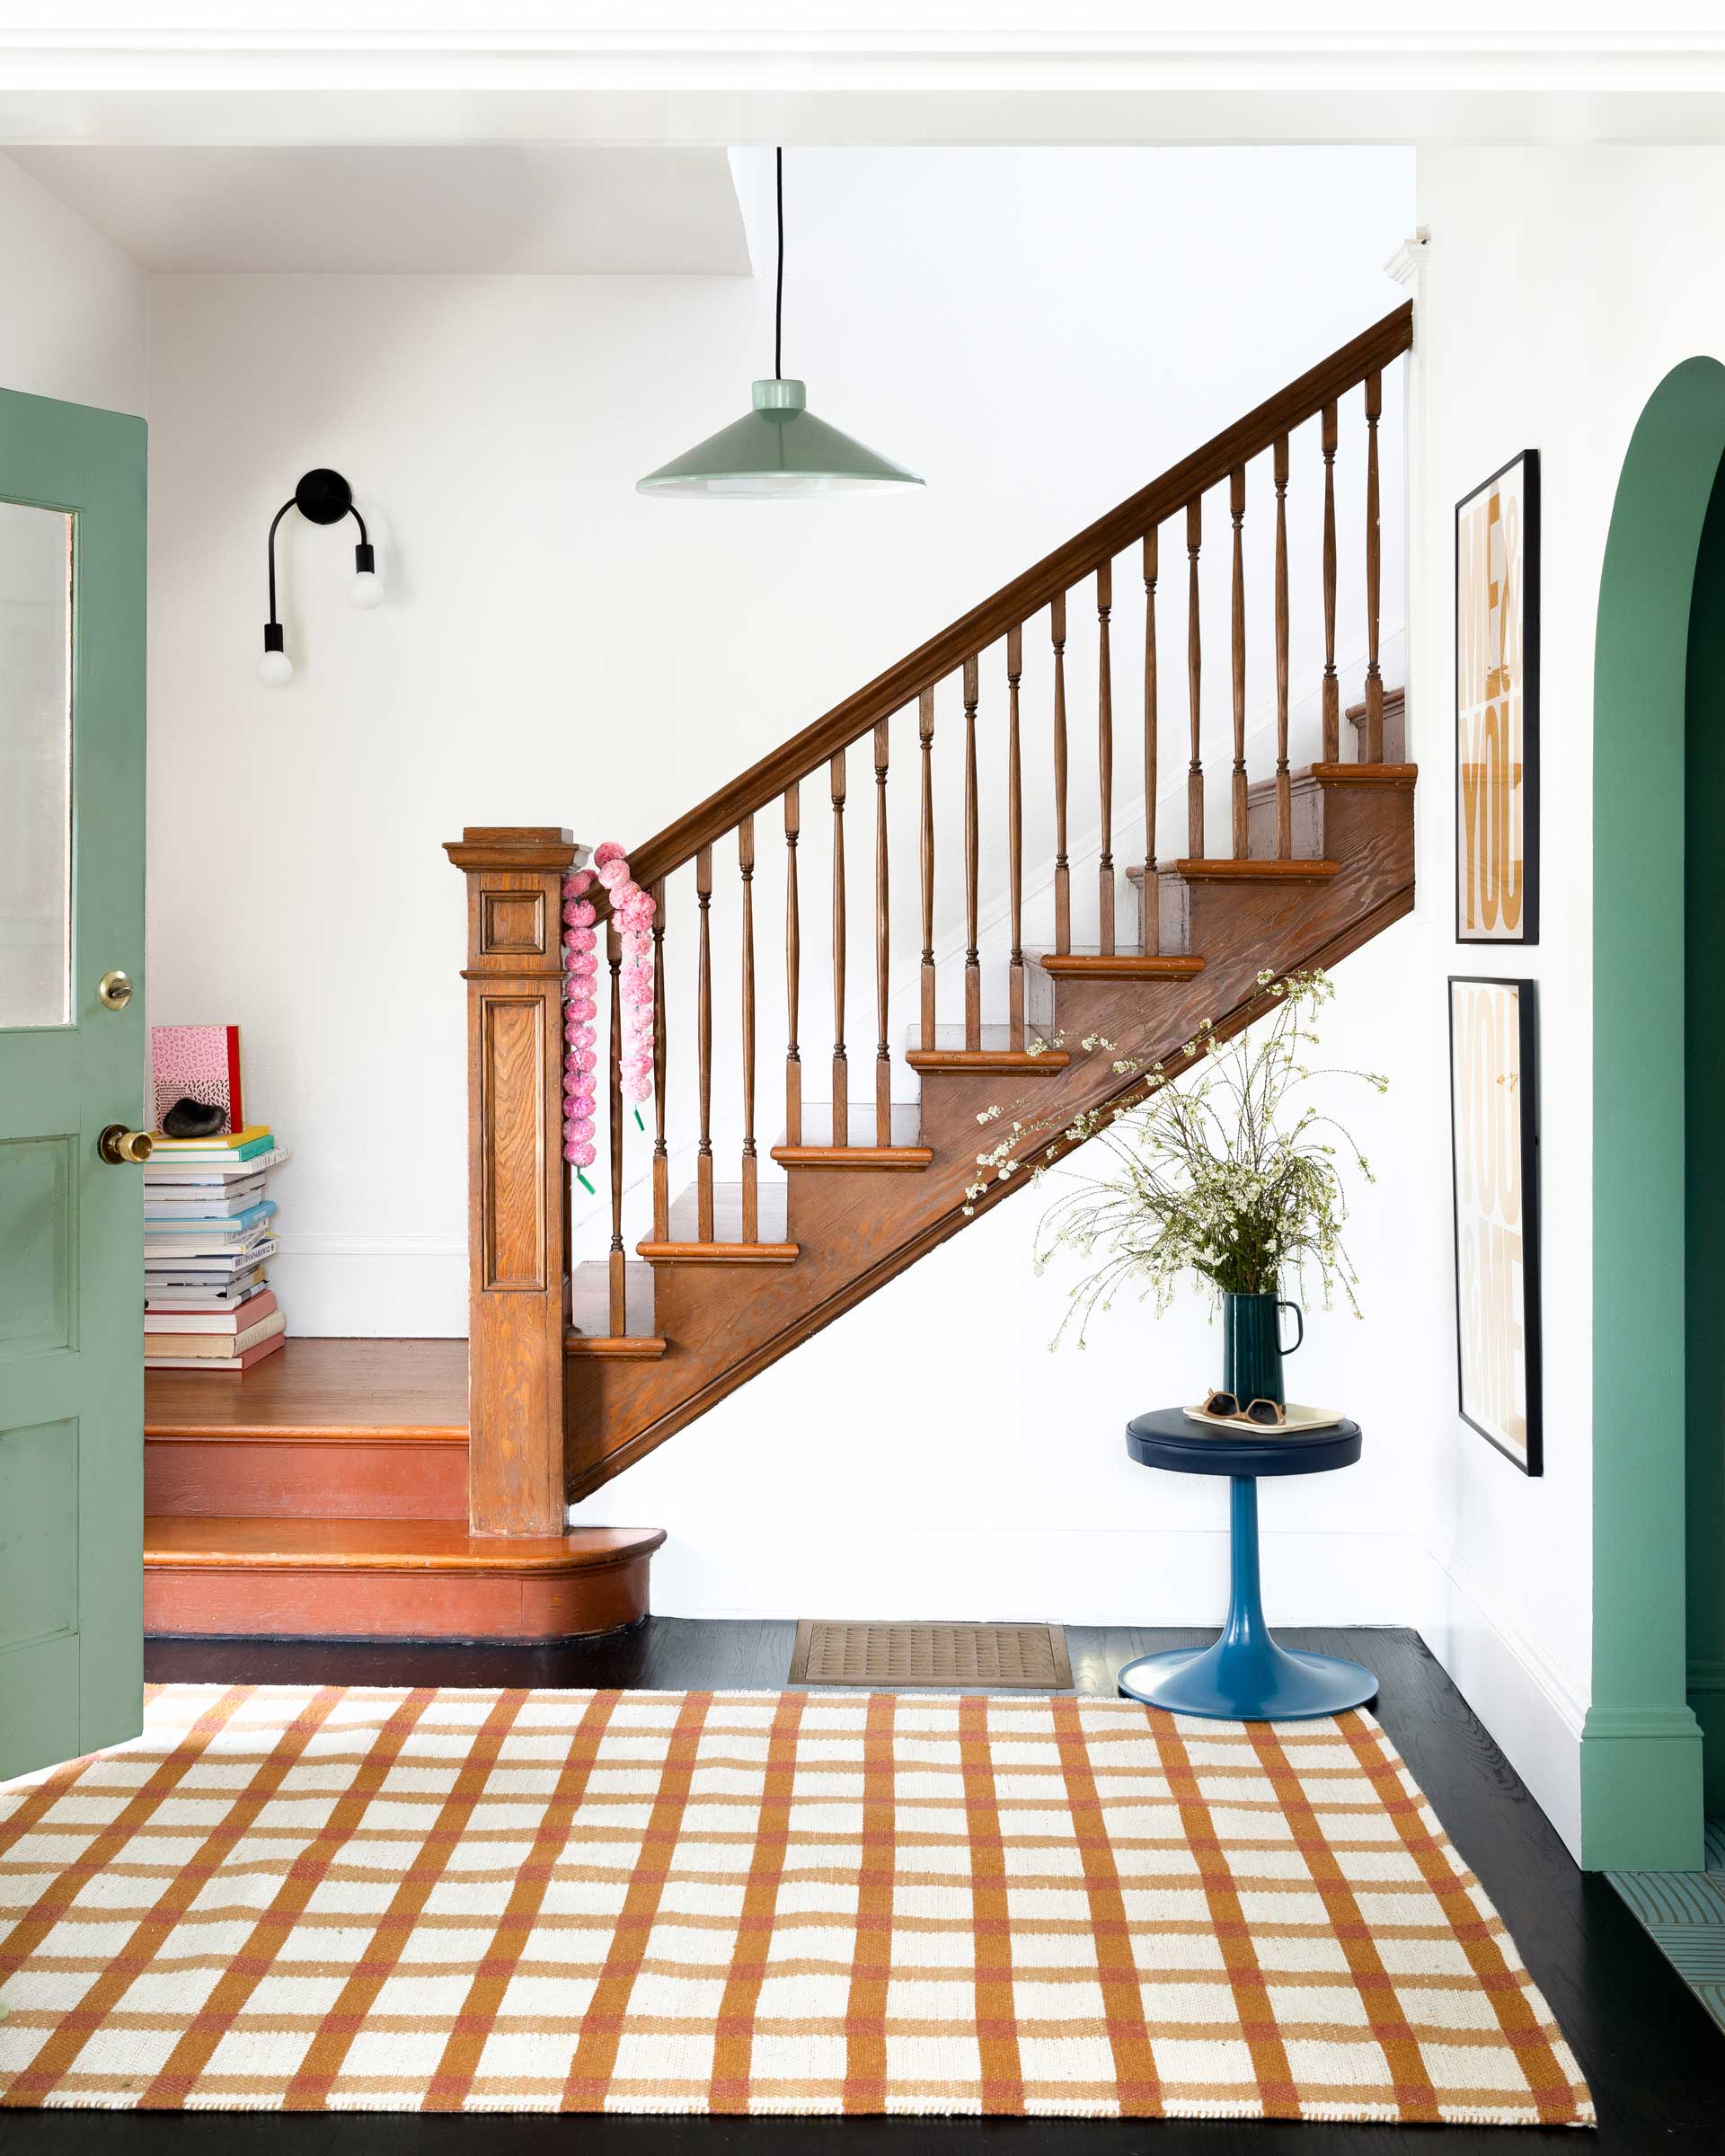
286,1897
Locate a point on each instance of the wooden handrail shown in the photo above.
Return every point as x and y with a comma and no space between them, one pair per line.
1014,603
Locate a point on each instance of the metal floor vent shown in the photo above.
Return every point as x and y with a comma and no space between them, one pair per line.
1006,1657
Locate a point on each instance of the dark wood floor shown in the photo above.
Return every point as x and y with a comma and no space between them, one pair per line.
1654,2059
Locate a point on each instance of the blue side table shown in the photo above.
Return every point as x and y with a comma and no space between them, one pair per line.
1245,1677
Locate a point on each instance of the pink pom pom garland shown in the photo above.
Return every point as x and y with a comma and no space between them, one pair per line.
632,911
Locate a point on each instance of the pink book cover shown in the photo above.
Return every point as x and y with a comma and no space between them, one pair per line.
200,1063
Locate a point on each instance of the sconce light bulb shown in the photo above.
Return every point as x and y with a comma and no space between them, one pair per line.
366,589
275,669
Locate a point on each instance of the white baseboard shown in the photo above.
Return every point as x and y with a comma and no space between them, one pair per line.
1078,1576
341,1287
1528,1706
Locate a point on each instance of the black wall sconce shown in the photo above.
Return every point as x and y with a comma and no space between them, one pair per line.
321,497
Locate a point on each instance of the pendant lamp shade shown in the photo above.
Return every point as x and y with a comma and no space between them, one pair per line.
779,448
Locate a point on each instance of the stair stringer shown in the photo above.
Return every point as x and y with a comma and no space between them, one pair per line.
857,1230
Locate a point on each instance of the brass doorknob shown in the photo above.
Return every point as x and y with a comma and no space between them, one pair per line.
119,1146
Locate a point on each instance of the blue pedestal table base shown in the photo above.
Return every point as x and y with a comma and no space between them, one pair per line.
1245,1676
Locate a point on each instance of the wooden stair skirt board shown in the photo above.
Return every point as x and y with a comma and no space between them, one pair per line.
389,1579
571,1386
324,1494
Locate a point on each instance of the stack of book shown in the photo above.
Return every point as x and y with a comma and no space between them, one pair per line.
208,1304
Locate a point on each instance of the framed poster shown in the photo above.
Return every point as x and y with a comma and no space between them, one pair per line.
1497,707
1495,1153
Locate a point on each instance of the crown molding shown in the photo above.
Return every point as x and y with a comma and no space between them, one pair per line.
842,74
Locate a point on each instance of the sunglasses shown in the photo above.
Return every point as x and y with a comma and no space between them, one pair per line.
1267,1414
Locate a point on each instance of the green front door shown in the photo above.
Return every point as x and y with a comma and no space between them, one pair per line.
72,1061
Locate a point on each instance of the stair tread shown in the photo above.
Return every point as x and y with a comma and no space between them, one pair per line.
1222,869
1328,775
1120,964
382,1545
314,1389
717,1251
860,1158
935,1060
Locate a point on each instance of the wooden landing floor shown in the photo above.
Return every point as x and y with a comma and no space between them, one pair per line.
395,1388
1655,2061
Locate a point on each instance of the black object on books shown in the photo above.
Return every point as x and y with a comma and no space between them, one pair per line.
189,1118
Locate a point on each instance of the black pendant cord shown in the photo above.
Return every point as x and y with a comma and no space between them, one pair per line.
778,297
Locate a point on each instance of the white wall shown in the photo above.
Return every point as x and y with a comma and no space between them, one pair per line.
1559,290
1039,332
72,317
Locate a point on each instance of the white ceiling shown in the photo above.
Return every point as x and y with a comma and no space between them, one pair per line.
504,207
632,73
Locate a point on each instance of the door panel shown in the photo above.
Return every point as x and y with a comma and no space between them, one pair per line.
71,909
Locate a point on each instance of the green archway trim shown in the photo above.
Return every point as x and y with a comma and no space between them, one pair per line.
1641,1747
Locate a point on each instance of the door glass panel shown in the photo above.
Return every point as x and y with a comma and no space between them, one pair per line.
35,766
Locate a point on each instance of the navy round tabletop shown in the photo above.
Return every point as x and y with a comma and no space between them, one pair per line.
1169,1437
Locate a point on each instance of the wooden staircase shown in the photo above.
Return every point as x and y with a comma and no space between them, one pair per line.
580,1366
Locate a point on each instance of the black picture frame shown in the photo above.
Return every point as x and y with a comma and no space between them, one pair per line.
1527,1139
1528,459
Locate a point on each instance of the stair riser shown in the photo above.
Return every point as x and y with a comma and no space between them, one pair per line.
1305,823
1355,818
1259,918
320,1478
337,1602
951,1105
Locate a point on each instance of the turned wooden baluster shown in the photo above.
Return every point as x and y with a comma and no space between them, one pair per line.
972,836
661,1154
1105,755
1331,688
1148,906
792,973
617,1282
841,1067
1061,874
925,734
751,1172
1015,838
1237,511
1374,679
1284,786
1194,679
882,1046
703,1049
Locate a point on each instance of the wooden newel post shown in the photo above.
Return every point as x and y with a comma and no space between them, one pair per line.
518,1261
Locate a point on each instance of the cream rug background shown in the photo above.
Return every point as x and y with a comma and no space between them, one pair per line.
734,1901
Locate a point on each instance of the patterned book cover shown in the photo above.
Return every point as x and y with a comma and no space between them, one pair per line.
198,1063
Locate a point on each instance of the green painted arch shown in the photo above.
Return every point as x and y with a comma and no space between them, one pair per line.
1641,1745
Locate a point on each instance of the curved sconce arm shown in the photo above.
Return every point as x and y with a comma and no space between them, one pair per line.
321,497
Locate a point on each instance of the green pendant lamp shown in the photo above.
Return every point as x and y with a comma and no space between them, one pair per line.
780,450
